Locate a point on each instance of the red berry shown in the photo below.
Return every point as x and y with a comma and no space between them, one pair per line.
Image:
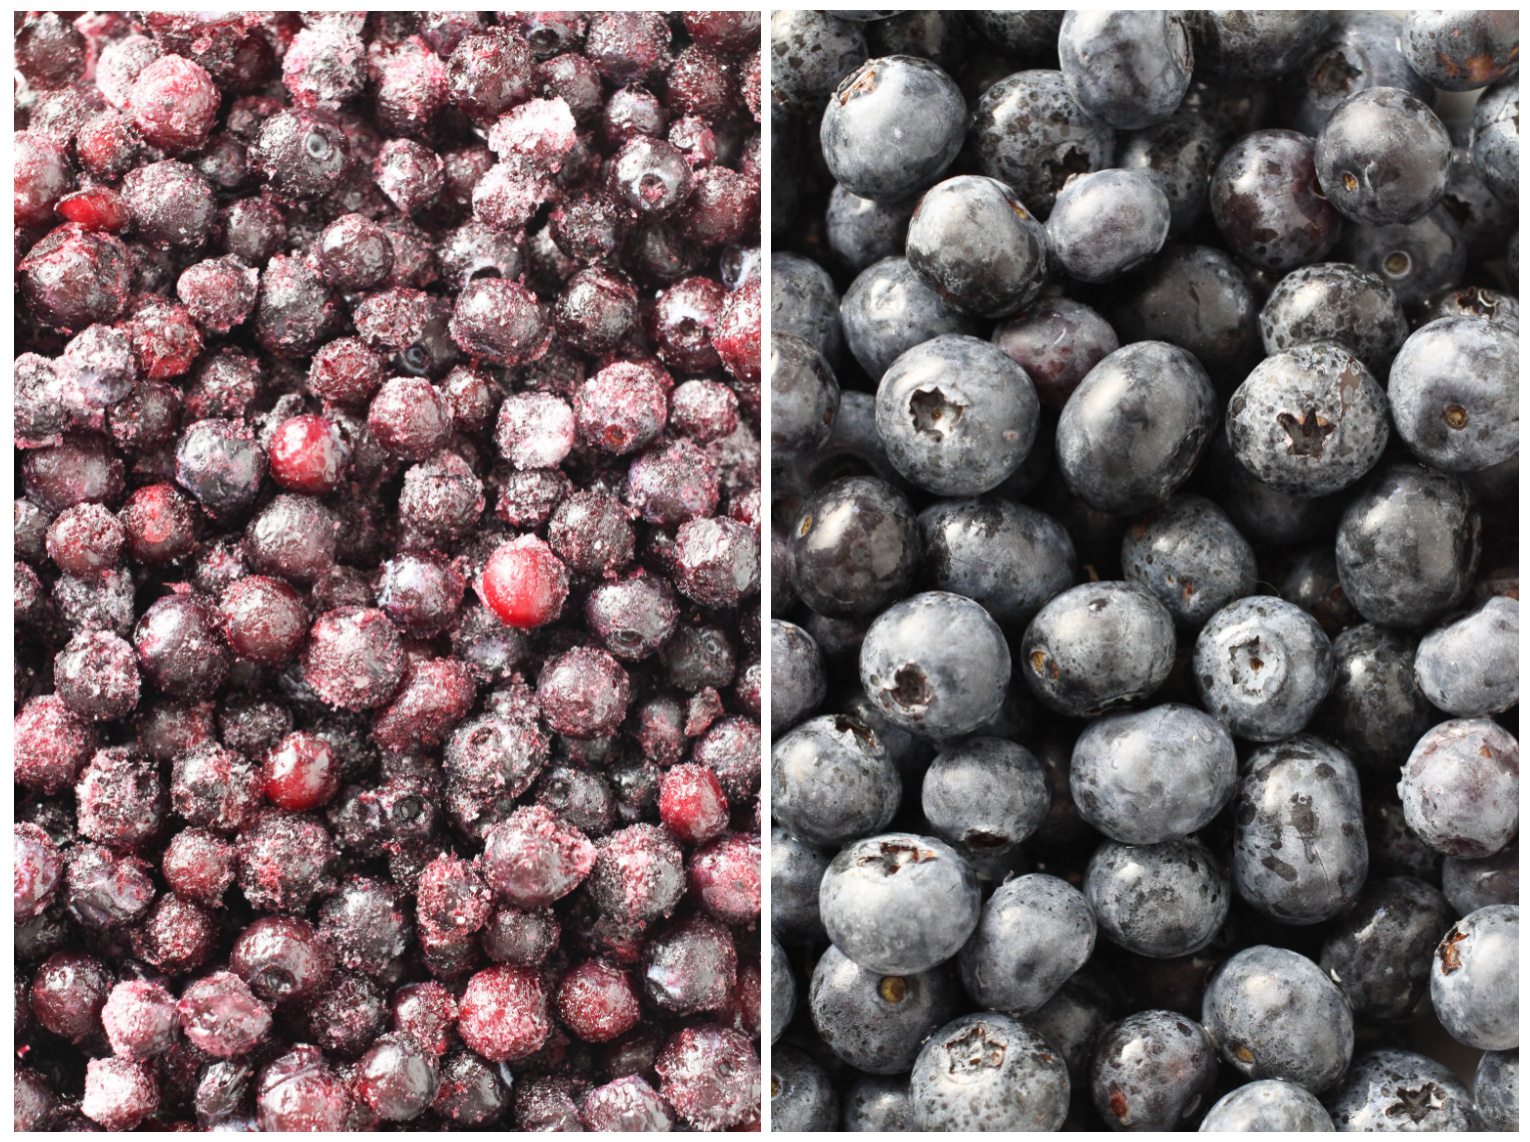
308,456
692,804
301,772
525,583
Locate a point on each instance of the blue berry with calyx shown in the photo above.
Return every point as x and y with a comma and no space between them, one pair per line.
1474,981
1391,1089
1454,392
877,1022
1263,666
988,1072
1383,157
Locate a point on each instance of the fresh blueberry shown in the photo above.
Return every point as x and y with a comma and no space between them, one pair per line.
804,302
956,415
1153,776
1495,1090
985,794
1267,1105
1399,1090
1097,646
1130,69
1195,297
1107,223
1361,50
1153,1071
831,781
1383,157
796,871
1161,900
892,127
804,396
783,990
1036,931
1460,787
1267,204
937,664
1474,981
1495,140
1056,341
1416,259
1454,389
1472,884
1468,668
1191,557
863,231
899,903
988,1072
1471,301
1072,1021
802,1096
890,309
878,1103
1178,154
1007,557
854,547
1461,51
797,678
1135,427
1263,665
1379,952
1334,301
971,238
810,52
1375,711
1241,46
1273,1014
878,1022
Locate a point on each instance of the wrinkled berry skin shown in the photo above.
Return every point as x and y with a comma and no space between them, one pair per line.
1383,157
1454,392
1299,849
1379,953
1273,1014
988,1072
971,237
878,1022
1388,1086
1153,1071
1267,1104
1097,646
906,94
1335,301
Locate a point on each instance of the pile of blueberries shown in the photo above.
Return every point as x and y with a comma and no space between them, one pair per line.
387,686
1144,645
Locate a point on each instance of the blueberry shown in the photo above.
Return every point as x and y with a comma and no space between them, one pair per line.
1056,340
804,302
1197,298
1036,931
971,238
1383,157
1361,50
853,449
988,1072
854,547
877,1022
1191,557
889,309
1072,1021
1375,711
863,231
1471,301
1454,389
1107,223
1024,35
1130,69
910,752
1030,133
1299,846
1161,900
1380,950
1408,545
1263,665
1266,202
1311,581
1399,1090
985,794
810,52
899,903
1273,1014
1135,427
1416,259
1334,301
1098,646
1495,140
1460,787
1153,1071
1248,46
937,664
804,396
1468,668
956,415
937,36
1267,1105
878,1103
797,678
802,1095
1486,221
1472,884
1461,51
1495,1090
1009,558
1474,982
1153,776
783,990
1178,154
796,870
831,781
892,127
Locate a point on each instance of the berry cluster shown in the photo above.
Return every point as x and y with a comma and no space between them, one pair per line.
387,676
1144,657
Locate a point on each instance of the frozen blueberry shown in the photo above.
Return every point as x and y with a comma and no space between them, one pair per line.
1097,646
956,415
1461,51
1383,157
1460,787
804,396
899,903
1468,668
1263,665
1135,427
831,781
1400,1090
1335,301
1299,846
1375,711
802,1096
1495,141
1473,884
889,309
1416,259
1009,558
878,1022
1191,557
1036,931
892,127
971,238
1107,223
854,547
1495,1090
988,1072
1029,132
1267,1105
985,794
1273,1014
1161,900
1408,545
1266,202
1360,51
1454,389
1153,1071
1379,951
877,1102
936,664
1153,776
1130,69
796,870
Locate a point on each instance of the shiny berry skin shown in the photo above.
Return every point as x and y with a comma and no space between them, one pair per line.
307,455
397,1077
692,804
68,993
301,772
524,583
264,619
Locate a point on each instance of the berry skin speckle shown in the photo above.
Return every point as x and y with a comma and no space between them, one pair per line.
524,583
